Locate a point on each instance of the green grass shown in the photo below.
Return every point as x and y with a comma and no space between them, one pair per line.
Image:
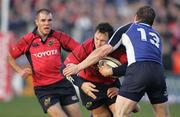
29,107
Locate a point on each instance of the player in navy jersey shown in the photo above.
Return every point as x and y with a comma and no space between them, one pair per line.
144,73
42,48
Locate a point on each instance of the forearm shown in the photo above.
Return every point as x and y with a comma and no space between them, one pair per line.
119,71
13,63
95,56
77,80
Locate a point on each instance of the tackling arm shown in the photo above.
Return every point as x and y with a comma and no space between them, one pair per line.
93,58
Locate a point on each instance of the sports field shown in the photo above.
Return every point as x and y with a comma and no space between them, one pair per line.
29,107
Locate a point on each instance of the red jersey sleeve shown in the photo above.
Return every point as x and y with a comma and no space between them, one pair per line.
21,47
80,53
68,43
120,54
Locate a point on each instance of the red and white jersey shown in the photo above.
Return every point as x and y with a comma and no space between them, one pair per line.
91,73
44,56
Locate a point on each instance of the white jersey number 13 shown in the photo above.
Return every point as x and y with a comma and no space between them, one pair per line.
154,40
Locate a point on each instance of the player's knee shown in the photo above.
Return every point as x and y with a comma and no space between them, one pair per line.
104,114
75,114
56,113
136,108
122,112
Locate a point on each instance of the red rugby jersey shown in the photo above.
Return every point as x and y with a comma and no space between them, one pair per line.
91,73
44,56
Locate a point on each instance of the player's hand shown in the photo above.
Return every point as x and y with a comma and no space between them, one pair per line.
25,72
70,69
113,91
89,88
105,70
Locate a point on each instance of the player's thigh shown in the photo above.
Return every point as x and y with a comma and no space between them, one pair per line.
124,105
112,108
161,110
101,111
56,111
73,110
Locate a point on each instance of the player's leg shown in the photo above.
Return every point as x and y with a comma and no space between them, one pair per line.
161,110
137,108
112,109
73,110
70,103
56,111
124,106
101,111
49,101
157,91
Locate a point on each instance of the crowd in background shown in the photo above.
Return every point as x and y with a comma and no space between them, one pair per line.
78,18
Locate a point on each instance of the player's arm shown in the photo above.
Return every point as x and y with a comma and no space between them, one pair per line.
93,58
16,51
119,71
68,43
13,63
24,72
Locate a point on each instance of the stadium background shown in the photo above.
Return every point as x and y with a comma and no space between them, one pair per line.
78,18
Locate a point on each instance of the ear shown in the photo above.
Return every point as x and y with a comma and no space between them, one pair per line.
36,22
135,19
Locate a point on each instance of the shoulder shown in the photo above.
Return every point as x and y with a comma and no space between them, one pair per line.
89,41
29,37
88,44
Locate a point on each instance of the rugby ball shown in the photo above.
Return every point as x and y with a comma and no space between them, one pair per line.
112,62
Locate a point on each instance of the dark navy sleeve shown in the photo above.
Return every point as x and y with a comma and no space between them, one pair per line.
119,71
77,80
116,37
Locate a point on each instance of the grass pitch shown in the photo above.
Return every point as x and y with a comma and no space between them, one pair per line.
29,107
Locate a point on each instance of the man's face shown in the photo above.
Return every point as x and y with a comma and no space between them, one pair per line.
100,39
44,23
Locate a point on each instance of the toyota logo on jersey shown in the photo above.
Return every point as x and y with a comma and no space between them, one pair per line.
46,53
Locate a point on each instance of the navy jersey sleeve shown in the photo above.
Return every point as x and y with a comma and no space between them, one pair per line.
120,71
115,40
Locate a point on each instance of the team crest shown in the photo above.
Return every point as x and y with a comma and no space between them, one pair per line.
50,43
88,104
47,101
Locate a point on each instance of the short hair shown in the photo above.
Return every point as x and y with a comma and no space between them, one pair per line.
146,14
105,27
46,11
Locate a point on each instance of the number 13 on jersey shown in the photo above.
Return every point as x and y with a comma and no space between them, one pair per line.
154,39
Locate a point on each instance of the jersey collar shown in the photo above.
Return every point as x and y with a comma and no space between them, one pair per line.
36,33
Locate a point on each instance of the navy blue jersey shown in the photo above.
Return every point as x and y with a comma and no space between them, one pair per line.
142,42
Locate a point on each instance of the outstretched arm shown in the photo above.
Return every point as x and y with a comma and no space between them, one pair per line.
93,58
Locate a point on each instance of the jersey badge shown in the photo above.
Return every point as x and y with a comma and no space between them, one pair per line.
50,43
47,101
88,104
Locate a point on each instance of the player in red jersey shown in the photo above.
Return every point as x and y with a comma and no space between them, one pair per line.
42,48
98,93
